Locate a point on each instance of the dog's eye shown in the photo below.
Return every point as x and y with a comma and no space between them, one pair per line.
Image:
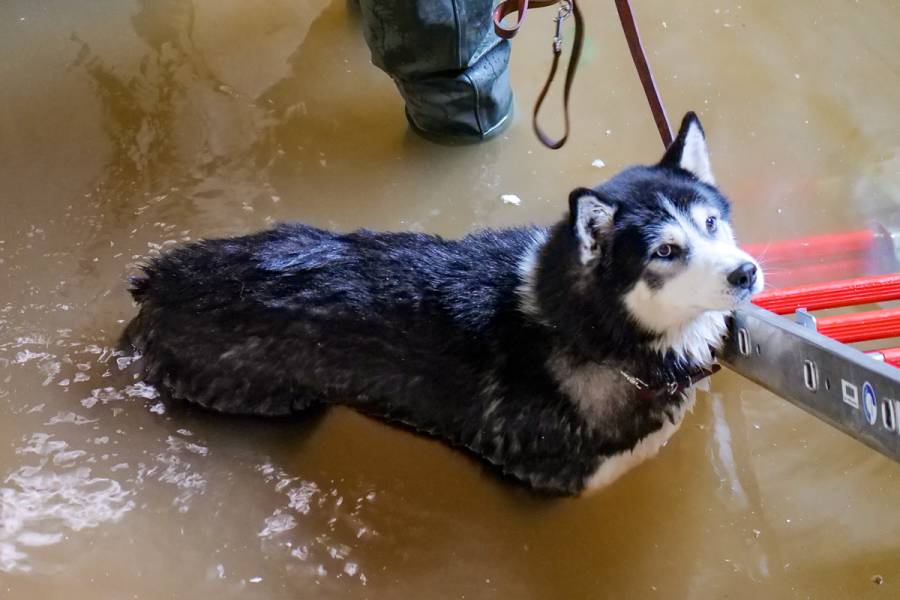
667,251
712,224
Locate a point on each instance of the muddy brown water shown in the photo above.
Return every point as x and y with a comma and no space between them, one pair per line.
128,127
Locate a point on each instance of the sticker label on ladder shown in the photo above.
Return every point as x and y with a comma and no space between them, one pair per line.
850,393
870,403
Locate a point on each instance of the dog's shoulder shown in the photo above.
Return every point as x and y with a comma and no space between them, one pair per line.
479,282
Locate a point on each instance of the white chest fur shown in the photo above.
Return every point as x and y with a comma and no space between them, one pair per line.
598,390
618,464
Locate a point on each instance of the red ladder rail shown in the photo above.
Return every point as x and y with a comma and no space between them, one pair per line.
819,247
890,356
833,294
857,327
793,275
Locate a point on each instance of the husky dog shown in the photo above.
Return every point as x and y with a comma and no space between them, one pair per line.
560,355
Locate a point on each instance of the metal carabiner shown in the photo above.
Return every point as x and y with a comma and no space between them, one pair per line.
565,9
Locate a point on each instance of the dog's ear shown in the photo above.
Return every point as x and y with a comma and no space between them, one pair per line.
689,152
591,219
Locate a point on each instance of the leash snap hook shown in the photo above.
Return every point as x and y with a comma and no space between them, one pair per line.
565,9
636,382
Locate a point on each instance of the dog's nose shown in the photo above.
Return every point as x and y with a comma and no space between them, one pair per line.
744,277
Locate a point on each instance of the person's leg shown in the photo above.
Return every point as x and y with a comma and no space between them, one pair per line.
450,67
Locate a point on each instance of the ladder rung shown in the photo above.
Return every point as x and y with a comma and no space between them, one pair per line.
890,356
857,327
819,247
833,294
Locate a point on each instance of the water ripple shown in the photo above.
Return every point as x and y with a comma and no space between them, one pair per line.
39,501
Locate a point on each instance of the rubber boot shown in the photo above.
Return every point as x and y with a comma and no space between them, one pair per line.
450,67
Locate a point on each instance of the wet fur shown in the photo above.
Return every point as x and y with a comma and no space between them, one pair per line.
515,344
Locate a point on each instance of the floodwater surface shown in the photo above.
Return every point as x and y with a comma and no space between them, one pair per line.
129,127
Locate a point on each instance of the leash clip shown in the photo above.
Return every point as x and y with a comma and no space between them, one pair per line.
636,382
565,9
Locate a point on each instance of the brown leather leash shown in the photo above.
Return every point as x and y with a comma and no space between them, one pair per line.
570,7
632,36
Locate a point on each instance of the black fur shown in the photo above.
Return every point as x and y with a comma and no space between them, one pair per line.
421,330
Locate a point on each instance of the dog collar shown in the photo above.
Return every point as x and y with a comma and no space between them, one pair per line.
673,386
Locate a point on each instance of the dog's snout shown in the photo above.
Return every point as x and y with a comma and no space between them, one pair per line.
744,277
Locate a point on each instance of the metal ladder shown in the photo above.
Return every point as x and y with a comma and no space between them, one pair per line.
808,361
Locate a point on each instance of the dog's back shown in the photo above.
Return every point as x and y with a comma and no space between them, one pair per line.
272,322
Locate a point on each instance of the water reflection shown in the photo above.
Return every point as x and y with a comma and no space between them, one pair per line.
97,459
64,481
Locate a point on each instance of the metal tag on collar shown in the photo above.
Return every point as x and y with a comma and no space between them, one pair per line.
565,9
672,387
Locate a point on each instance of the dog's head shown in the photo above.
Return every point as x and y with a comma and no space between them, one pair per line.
659,239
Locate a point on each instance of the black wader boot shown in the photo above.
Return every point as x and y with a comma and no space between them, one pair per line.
450,67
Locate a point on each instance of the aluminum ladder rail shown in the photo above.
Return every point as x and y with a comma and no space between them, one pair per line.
851,390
